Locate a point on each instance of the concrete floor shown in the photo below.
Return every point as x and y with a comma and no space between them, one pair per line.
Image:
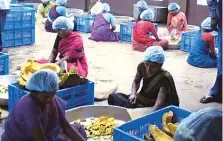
117,62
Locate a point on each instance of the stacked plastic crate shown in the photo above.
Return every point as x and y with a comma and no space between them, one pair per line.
84,22
19,27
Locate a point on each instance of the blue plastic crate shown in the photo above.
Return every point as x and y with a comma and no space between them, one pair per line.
136,129
84,22
187,40
4,64
126,31
18,38
20,18
75,96
156,26
22,5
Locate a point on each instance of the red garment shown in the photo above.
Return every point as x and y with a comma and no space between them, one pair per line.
209,39
176,21
141,32
73,47
141,38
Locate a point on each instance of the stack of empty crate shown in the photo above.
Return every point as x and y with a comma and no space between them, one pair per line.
19,27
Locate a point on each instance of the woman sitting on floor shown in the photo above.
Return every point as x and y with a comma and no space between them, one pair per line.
58,10
158,88
202,53
95,7
141,33
142,6
44,9
40,115
101,30
70,47
176,21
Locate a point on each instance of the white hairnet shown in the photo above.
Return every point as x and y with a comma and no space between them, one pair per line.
206,24
44,80
204,125
63,23
154,54
147,15
173,6
142,4
45,1
105,7
60,2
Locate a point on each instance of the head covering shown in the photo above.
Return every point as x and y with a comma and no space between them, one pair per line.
45,1
60,2
204,125
147,15
44,80
154,54
63,23
142,4
105,7
173,6
206,24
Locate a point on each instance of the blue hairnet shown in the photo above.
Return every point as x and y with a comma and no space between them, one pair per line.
154,54
63,23
44,80
105,7
60,2
147,15
142,4
204,125
173,6
206,24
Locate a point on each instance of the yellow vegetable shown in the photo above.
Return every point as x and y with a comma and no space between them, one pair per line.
159,135
31,66
167,118
172,127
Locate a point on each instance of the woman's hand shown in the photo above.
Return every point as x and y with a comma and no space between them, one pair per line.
132,98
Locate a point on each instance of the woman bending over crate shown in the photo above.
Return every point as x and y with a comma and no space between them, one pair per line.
69,45
176,21
158,88
40,115
58,10
101,30
141,33
202,53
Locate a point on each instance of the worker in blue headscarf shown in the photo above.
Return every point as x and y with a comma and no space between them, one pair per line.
202,53
142,6
4,9
215,10
204,125
40,115
158,89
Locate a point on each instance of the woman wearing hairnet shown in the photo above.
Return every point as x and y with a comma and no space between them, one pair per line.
95,7
101,30
158,89
40,115
176,21
56,11
142,6
4,8
204,125
70,47
44,9
202,53
141,33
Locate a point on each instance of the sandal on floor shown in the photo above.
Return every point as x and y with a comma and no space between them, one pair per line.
207,99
